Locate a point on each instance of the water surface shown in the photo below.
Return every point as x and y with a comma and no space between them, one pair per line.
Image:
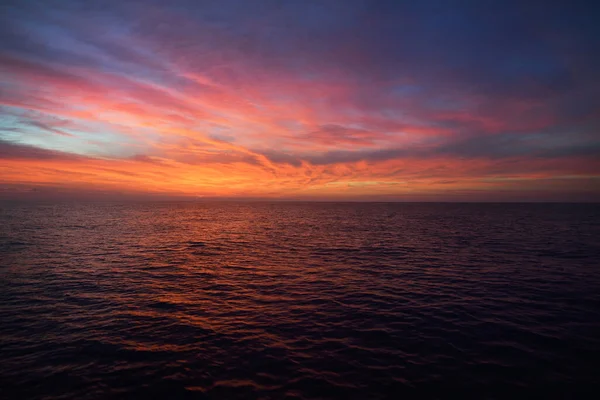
298,300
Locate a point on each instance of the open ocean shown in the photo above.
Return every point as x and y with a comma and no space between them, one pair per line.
227,300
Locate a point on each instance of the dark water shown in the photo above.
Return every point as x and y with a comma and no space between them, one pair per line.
286,300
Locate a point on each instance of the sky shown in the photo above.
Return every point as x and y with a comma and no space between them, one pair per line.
446,100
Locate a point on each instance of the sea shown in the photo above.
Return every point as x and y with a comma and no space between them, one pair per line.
299,300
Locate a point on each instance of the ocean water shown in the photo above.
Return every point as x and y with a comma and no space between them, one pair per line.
299,300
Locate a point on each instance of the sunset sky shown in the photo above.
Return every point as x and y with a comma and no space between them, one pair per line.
332,100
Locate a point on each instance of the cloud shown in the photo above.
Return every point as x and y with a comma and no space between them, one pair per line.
16,151
46,127
340,136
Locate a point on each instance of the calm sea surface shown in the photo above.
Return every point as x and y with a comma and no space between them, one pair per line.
299,300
